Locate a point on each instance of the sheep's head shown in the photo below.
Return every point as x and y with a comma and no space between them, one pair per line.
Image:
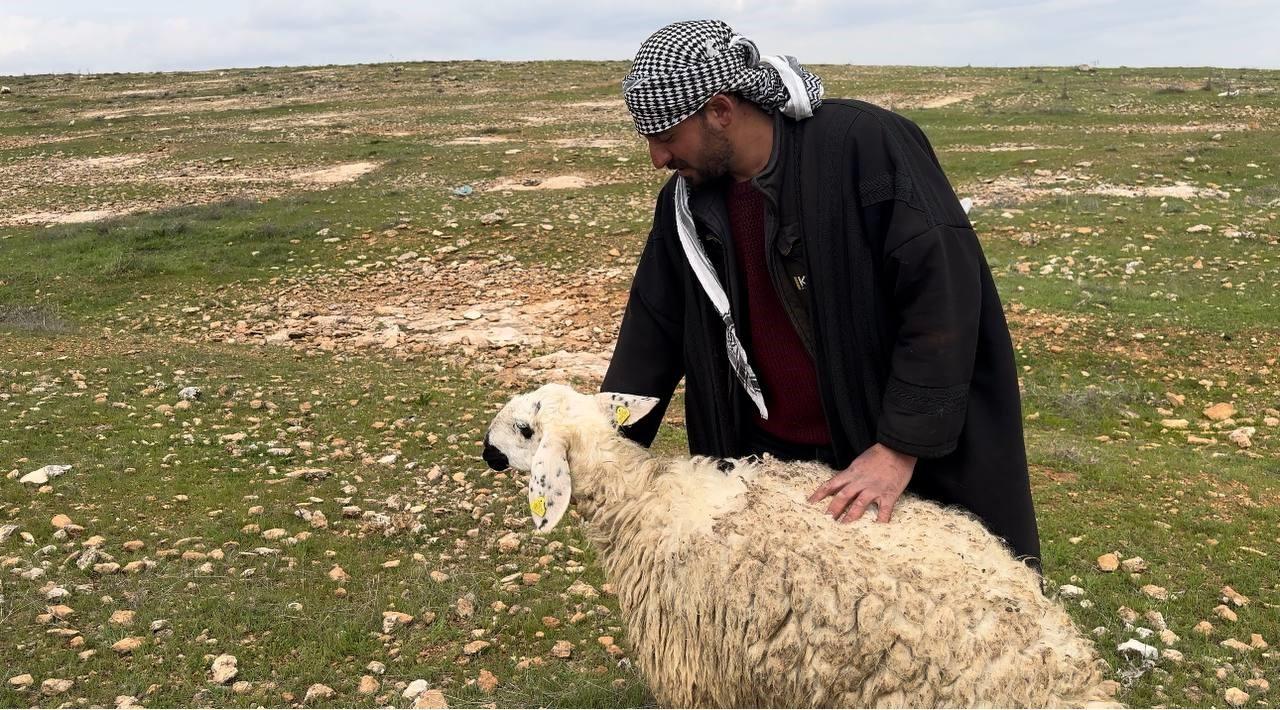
531,434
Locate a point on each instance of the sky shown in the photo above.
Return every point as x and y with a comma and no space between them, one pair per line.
53,36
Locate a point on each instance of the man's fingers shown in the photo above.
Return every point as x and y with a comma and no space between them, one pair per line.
855,511
886,509
826,489
848,493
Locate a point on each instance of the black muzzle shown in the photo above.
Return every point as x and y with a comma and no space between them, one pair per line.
495,458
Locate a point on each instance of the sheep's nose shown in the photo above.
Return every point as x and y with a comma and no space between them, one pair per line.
492,456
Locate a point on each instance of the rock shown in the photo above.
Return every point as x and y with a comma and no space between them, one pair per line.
1256,641
1197,229
1203,628
392,620
338,574
475,647
224,668
1236,598
318,691
431,699
1225,612
275,534
1134,565
368,685
1133,646
241,687
1156,619
128,644
134,545
1167,637
1235,697
1155,592
55,686
41,475
487,682
123,617
509,542
189,394
60,521
464,607
1127,615
1242,437
22,681
1070,591
1171,654
1261,685
376,667
1175,423
582,589
416,688
562,649
6,531
127,702
5,90
1235,645
1221,410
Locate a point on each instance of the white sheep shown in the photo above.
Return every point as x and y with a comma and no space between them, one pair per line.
738,593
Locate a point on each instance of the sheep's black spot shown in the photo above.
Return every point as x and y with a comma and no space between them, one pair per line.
525,430
752,458
724,465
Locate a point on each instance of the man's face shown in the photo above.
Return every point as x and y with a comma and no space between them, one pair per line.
695,148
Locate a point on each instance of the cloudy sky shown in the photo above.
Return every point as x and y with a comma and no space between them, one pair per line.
41,36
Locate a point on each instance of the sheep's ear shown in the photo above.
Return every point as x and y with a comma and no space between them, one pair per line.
625,409
549,483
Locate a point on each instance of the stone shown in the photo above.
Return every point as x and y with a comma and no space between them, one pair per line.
318,691
338,574
475,647
1225,612
1235,697
1134,565
1175,423
1070,591
392,620
368,685
134,546
224,669
189,393
128,644
42,475
127,702
1242,437
431,699
1236,645
1109,562
414,689
562,649
1155,592
1133,646
60,521
22,681
487,682
509,543
55,686
1256,641
582,589
1171,654
376,667
123,617
1236,598
1203,628
1221,410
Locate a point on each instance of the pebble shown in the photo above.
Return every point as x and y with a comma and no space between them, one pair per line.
487,682
224,668
392,620
22,681
1203,628
1155,592
1225,612
475,647
319,691
562,649
368,685
1134,565
1221,410
338,574
1135,646
123,617
1070,591
416,688
41,475
431,699
1236,598
1235,697
55,686
128,644
582,589
376,667
1109,562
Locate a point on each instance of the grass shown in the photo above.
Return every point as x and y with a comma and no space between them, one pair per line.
1123,312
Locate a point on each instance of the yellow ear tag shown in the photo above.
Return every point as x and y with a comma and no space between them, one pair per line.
621,415
538,506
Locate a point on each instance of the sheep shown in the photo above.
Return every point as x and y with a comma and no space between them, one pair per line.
736,592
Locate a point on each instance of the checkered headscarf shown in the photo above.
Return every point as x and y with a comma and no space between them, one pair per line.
681,66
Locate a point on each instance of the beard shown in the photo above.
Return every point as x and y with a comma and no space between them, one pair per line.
712,162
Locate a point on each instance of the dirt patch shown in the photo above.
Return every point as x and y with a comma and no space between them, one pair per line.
589,143
477,140
524,324
336,174
559,182
78,217
947,100
1180,190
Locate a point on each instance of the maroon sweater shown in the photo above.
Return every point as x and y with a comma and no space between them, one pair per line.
786,372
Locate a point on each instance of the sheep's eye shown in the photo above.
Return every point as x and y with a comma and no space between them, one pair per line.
525,430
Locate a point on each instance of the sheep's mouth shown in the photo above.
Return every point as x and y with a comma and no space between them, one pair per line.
495,458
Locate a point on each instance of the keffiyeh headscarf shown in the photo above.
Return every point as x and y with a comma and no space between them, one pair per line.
675,73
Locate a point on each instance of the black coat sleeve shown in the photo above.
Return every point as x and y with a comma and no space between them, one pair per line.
932,275
649,356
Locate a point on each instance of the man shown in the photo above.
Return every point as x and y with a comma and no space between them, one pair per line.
813,278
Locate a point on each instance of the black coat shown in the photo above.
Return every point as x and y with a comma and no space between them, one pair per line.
885,281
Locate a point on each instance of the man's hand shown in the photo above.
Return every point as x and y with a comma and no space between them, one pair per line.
878,475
